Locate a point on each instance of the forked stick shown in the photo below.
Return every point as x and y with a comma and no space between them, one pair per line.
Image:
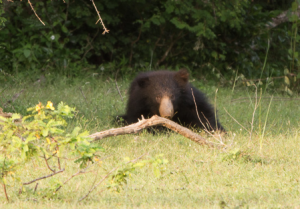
153,121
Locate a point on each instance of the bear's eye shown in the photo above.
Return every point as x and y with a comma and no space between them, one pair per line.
158,98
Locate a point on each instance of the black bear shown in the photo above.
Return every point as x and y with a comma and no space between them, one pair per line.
168,94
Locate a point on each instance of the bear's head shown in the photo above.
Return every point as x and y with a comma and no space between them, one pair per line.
162,91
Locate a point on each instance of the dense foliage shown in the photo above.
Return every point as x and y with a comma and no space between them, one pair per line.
2,19
204,36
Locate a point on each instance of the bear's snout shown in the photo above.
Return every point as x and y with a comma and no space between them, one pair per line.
166,109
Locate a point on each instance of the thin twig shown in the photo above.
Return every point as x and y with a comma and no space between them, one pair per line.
85,99
13,98
207,121
53,155
117,85
82,171
215,109
132,43
48,164
4,188
204,127
173,41
89,43
35,188
236,120
108,174
58,160
35,12
105,29
253,115
157,41
245,99
166,52
263,133
119,91
43,177
75,174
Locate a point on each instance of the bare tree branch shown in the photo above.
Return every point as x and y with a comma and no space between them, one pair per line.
4,188
44,177
48,164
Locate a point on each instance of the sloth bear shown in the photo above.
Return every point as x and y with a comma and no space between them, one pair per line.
168,94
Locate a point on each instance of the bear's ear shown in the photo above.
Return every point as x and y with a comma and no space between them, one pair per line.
143,81
182,76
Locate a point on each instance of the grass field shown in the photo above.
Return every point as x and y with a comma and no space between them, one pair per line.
261,171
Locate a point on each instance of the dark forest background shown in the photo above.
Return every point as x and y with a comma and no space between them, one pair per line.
252,41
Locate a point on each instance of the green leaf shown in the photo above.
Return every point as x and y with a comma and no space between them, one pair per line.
3,119
26,117
214,54
45,132
75,132
169,8
15,116
25,148
56,131
139,164
296,55
4,180
294,6
179,24
288,91
53,123
64,29
27,53
156,172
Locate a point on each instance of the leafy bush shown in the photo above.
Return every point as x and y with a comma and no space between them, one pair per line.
42,134
206,36
42,137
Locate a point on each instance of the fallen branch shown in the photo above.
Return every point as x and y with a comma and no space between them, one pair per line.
153,121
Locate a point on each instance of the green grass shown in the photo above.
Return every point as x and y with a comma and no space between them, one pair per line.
262,172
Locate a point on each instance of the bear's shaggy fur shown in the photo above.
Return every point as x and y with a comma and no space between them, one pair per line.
168,94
